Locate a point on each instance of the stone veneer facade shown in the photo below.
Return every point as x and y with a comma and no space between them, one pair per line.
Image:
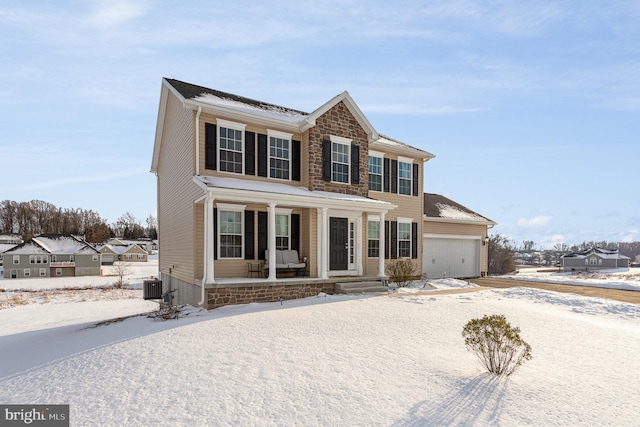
338,121
246,294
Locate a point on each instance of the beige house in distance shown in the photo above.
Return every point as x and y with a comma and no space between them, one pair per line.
239,179
128,253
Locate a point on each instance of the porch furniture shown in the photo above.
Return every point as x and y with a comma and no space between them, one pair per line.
286,260
254,268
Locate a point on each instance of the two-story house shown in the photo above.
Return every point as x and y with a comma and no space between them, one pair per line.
239,179
51,255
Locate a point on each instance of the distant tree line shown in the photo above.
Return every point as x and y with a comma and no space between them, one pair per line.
28,219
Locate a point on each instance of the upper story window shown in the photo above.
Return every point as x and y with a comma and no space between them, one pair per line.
16,259
375,171
404,176
279,155
340,159
230,146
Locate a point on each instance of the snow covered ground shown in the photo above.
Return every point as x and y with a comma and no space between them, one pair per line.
621,278
395,360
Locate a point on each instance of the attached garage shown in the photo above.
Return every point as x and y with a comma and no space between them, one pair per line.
451,257
454,239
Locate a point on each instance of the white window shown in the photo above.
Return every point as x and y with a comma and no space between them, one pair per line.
282,232
32,259
373,238
16,259
230,146
375,171
58,272
340,159
54,258
404,239
27,272
279,154
43,272
404,176
127,256
140,256
231,230
593,261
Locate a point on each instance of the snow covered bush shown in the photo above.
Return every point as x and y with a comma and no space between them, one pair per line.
401,271
496,343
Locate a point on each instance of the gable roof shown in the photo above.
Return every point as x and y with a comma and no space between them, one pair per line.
55,244
201,98
440,208
599,252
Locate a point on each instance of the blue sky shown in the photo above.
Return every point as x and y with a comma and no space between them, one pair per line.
531,108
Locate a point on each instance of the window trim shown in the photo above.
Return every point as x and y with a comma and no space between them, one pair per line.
376,220
407,221
16,259
43,272
284,136
221,123
226,207
26,272
343,141
377,155
287,213
409,162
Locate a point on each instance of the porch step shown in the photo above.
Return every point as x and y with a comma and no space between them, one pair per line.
368,287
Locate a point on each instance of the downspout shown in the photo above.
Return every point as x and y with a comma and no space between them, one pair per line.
204,248
198,140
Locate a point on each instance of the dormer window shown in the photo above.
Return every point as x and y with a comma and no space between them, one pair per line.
230,146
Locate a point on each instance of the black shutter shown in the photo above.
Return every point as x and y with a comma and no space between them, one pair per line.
394,176
326,160
394,239
249,153
215,233
210,146
295,160
414,240
295,232
414,176
387,238
262,155
263,238
248,235
387,175
355,164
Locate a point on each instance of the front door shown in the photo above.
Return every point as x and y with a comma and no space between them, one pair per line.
338,243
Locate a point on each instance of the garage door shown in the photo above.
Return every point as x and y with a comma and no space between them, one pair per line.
451,257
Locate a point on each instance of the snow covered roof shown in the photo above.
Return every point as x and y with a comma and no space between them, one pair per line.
118,249
599,252
440,207
284,194
55,244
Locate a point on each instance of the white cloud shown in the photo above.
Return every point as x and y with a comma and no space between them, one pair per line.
113,13
535,222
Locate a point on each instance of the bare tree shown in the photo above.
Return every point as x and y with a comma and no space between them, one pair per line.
501,255
121,269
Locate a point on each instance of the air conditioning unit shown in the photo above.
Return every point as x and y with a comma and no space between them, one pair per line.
152,289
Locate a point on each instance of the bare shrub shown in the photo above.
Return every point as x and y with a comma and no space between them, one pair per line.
401,271
121,269
496,343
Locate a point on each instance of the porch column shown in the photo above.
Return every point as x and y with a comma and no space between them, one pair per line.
208,240
324,243
381,272
271,244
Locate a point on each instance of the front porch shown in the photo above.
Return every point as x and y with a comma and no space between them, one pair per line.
244,291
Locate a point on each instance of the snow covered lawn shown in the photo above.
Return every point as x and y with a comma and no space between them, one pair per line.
621,278
325,361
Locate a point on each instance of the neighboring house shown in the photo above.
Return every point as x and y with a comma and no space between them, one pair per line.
10,239
147,245
237,177
594,259
5,247
454,239
129,253
50,255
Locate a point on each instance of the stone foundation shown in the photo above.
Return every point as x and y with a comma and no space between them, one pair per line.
244,294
